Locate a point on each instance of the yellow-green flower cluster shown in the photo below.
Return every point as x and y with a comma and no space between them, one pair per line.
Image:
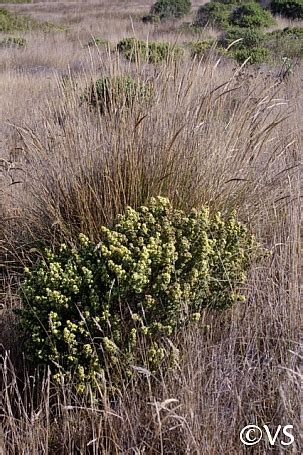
88,308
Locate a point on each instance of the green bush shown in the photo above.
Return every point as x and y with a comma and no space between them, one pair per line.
214,14
13,41
293,9
290,32
6,20
251,15
200,48
233,3
256,55
151,18
165,9
10,22
250,38
151,52
86,309
110,93
286,43
96,41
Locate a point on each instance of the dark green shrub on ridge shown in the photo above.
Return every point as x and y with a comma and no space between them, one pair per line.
214,14
251,15
166,9
292,9
87,308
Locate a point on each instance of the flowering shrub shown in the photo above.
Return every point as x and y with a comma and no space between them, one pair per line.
87,309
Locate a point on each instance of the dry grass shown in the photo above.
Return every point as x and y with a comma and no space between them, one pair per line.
213,134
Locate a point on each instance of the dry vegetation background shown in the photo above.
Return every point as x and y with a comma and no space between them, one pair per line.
215,134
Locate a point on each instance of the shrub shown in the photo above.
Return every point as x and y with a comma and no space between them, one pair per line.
152,52
110,93
286,43
13,41
293,9
10,22
251,15
214,14
233,3
96,41
291,32
151,18
249,38
86,309
171,8
200,48
6,20
256,55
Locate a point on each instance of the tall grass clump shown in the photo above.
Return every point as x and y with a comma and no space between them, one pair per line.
109,94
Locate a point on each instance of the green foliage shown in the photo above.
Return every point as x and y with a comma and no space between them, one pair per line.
110,93
251,15
13,41
200,48
10,22
286,43
292,9
214,14
261,47
87,309
165,9
151,52
233,3
256,55
6,20
250,38
151,18
96,41
290,32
